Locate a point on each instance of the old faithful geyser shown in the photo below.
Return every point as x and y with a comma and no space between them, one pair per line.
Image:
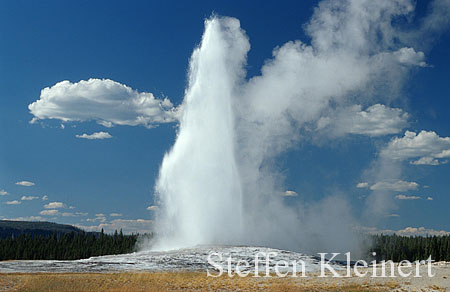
199,184
219,183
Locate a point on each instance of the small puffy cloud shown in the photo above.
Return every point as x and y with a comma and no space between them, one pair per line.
393,215
29,198
76,214
404,197
81,213
409,57
100,219
427,161
28,218
362,185
398,185
68,214
429,198
25,183
376,120
49,212
3,193
289,194
152,208
427,147
54,205
15,202
44,198
95,136
115,215
408,231
412,231
102,100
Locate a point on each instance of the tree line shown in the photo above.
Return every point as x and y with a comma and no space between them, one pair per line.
398,248
79,245
66,246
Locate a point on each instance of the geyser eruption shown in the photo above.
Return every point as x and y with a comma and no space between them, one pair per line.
219,183
199,183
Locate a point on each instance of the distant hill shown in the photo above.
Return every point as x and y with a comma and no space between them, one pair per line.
15,228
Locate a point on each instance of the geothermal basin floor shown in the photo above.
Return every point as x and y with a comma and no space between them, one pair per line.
185,270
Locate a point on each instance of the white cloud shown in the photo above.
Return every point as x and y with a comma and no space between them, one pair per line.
115,215
429,198
49,212
128,226
3,193
376,120
398,185
95,136
362,185
44,198
76,214
102,100
25,183
427,161
428,147
408,56
81,213
393,215
98,217
54,205
408,231
15,202
101,219
152,208
404,197
68,214
28,218
289,194
29,198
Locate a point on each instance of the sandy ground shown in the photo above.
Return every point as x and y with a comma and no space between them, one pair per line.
197,281
439,282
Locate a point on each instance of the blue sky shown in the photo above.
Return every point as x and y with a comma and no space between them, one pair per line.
146,46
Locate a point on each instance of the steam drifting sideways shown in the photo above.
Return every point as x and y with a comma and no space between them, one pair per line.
217,185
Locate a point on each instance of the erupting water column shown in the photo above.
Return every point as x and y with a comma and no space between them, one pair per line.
198,186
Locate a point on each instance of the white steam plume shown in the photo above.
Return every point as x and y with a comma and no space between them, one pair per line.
217,185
